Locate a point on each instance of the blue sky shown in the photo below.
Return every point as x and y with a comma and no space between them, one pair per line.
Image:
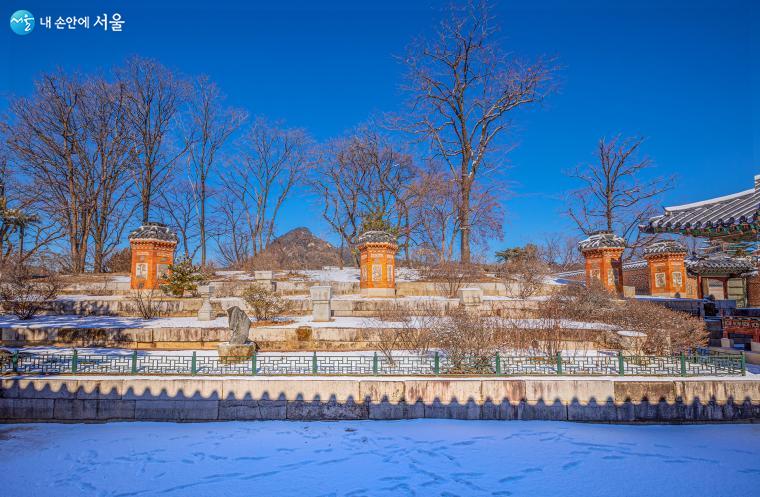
684,74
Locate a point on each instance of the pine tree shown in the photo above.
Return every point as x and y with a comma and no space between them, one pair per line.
183,277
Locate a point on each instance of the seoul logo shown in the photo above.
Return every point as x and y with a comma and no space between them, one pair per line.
22,22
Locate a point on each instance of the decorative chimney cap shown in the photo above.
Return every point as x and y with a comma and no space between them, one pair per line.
154,231
601,239
665,247
376,237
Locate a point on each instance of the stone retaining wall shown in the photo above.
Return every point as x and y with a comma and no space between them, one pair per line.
267,337
213,399
341,307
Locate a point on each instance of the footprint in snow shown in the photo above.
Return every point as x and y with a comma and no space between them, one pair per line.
532,470
511,478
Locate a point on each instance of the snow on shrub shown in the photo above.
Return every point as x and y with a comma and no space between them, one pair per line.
24,292
264,302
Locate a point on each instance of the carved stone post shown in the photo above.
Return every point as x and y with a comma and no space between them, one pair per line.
320,303
264,278
470,298
206,313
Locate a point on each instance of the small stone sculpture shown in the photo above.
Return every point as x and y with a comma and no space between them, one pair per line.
239,324
238,349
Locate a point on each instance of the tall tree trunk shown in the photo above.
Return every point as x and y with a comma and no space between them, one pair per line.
464,221
202,221
342,252
97,257
21,232
145,194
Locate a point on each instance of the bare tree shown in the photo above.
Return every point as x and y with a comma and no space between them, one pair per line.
364,178
155,99
435,220
435,212
47,135
179,209
110,155
273,160
211,124
232,240
463,92
6,225
17,218
615,197
560,252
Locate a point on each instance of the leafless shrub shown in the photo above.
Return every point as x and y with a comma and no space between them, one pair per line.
657,330
555,326
524,277
23,292
264,302
523,270
468,340
148,303
401,327
666,332
449,277
558,322
101,288
580,303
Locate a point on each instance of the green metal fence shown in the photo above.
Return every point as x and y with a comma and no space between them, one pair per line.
272,364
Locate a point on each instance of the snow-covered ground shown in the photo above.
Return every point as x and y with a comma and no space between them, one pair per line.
348,274
236,275
75,321
394,458
108,351
83,351
369,322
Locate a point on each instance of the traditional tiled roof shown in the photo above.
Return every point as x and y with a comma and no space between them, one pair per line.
153,231
633,265
375,237
627,266
601,239
665,247
737,213
721,265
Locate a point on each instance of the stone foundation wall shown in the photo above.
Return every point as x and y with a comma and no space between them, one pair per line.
299,305
292,338
214,399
